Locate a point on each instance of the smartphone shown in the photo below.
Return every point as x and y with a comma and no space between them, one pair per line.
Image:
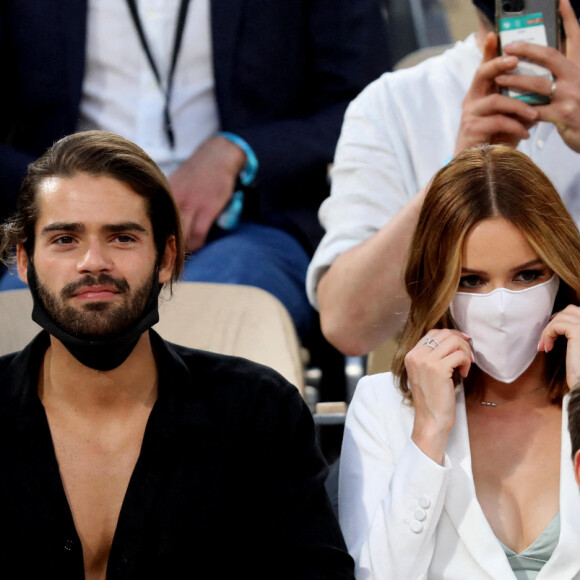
535,21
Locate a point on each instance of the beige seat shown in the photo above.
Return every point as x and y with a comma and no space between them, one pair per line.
16,326
236,320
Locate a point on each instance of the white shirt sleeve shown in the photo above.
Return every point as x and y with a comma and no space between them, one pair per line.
391,494
368,179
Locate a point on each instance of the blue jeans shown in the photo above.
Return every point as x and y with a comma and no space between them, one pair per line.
9,280
252,254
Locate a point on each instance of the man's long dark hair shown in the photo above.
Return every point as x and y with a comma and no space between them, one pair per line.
96,153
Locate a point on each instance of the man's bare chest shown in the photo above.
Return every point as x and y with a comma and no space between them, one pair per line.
95,470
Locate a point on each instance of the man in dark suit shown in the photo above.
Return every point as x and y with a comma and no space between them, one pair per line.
124,456
281,75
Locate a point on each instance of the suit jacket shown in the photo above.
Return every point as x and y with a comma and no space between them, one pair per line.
405,517
284,72
229,482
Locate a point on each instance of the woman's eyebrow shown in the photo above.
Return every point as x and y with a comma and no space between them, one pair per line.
529,264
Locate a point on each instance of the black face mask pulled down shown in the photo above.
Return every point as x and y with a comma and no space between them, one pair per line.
103,353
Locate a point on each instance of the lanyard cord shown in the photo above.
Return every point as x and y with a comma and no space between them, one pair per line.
176,47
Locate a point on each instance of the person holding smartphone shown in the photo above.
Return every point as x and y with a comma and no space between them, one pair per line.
457,465
399,132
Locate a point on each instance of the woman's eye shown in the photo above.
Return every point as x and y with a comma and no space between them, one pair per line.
470,281
528,276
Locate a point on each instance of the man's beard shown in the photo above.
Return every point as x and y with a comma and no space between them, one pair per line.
97,319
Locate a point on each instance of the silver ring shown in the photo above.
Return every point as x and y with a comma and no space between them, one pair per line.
552,89
430,341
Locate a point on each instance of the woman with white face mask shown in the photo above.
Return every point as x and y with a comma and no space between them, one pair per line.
457,465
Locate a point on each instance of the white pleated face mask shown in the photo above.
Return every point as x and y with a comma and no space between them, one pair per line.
505,326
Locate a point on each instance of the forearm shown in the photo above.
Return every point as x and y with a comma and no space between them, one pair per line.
361,298
400,541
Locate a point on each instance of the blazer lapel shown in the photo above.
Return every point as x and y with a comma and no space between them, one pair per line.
565,561
226,16
462,506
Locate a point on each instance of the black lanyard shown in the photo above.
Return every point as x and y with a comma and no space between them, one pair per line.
176,47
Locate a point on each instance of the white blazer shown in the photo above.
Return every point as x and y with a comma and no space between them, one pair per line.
406,517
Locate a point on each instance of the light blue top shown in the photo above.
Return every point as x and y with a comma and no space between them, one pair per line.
527,564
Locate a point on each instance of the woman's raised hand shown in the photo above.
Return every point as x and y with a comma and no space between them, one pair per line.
565,323
430,365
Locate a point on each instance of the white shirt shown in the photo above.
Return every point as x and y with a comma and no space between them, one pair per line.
405,517
397,134
120,93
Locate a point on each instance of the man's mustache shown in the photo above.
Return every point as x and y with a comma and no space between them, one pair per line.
71,289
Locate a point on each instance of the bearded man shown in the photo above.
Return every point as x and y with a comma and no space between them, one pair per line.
124,456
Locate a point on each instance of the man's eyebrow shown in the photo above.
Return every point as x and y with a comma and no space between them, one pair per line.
125,227
74,227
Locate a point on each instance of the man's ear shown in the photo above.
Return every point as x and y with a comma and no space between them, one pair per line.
168,260
577,467
22,263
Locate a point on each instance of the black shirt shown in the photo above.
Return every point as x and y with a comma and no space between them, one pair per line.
229,481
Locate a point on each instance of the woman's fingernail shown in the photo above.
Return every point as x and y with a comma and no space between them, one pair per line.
465,335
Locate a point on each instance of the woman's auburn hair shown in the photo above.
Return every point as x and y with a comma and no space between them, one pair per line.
483,183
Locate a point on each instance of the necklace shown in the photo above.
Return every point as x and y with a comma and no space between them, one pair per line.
491,404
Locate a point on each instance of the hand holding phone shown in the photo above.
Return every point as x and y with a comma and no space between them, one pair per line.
486,116
534,22
564,109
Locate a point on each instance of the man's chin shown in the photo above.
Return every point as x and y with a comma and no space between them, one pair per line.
93,320
100,306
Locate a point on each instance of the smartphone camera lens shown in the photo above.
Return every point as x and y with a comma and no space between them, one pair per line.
513,5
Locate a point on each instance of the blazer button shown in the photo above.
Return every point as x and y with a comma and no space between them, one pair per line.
424,502
420,514
416,527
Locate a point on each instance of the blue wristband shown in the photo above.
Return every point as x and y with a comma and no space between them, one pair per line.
250,170
230,217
